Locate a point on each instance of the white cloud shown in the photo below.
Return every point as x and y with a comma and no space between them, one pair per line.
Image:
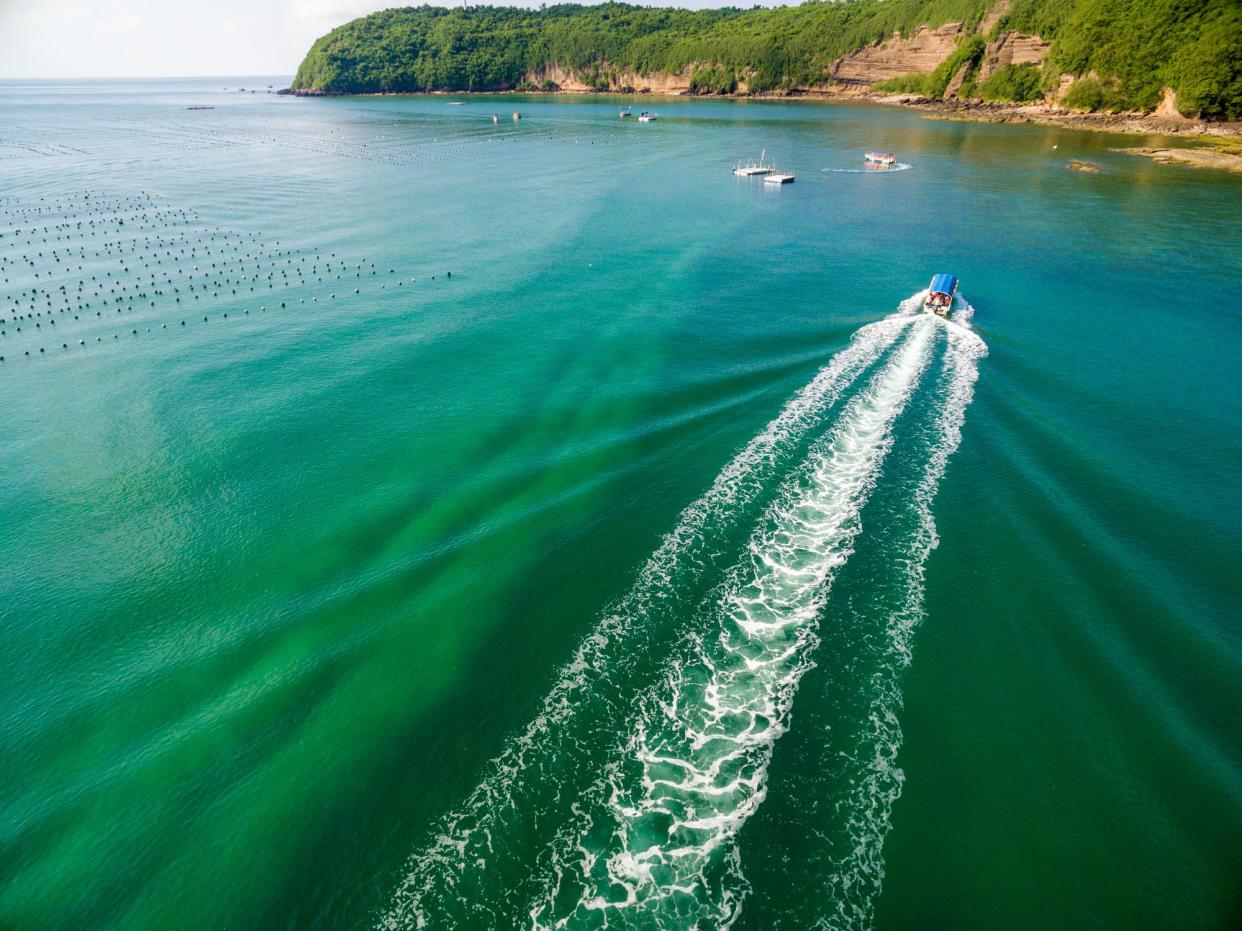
164,38
321,16
336,11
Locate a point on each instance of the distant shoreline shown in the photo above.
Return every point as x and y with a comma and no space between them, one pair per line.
1149,124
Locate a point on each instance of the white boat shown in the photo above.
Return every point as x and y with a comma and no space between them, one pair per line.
749,169
646,117
778,177
886,159
625,113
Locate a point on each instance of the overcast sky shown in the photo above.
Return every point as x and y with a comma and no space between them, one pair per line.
167,38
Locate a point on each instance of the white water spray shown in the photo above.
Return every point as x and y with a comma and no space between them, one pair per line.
655,838
887,170
866,813
703,739
434,869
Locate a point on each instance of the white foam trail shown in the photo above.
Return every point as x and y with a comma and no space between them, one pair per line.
698,757
435,868
852,888
897,166
964,312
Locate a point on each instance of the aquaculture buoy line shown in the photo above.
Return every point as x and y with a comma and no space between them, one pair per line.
22,142
76,262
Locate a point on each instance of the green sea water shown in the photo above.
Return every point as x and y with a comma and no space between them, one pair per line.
657,568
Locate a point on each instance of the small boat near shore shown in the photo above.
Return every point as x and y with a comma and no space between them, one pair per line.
750,169
646,117
882,159
625,113
940,294
778,177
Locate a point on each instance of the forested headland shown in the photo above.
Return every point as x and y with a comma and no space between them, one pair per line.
1097,55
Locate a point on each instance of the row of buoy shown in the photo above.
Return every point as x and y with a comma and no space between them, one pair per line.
117,263
206,318
37,316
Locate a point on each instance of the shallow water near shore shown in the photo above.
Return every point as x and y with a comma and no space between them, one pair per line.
657,566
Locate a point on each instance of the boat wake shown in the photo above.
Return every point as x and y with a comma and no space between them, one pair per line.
651,751
887,170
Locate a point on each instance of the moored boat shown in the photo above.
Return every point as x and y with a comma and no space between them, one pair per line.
886,159
625,113
750,169
646,117
940,293
778,177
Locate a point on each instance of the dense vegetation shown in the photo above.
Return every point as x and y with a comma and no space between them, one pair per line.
1124,51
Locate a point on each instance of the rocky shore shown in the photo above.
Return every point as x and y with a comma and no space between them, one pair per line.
1155,123
977,111
1207,157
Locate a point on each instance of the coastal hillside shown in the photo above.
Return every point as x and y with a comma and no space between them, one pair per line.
1111,55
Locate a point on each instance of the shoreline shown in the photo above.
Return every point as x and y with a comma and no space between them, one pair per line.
1223,140
1134,123
975,111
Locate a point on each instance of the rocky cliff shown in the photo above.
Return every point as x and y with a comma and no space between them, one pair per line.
1012,48
896,56
1109,55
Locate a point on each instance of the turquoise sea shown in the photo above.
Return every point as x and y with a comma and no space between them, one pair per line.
414,520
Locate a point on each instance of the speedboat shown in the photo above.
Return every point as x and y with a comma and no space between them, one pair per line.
940,293
885,159
624,113
646,117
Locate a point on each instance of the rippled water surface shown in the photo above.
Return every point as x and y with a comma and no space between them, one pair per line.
410,518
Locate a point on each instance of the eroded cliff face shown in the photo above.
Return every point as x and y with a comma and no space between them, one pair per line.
1012,48
993,18
927,48
856,72
896,56
574,82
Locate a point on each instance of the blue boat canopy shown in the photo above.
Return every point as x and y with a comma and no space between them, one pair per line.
943,284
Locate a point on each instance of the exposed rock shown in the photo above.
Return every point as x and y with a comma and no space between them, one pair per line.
570,81
956,82
1012,48
1196,158
1067,81
896,56
1168,108
1088,168
565,80
658,83
993,17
